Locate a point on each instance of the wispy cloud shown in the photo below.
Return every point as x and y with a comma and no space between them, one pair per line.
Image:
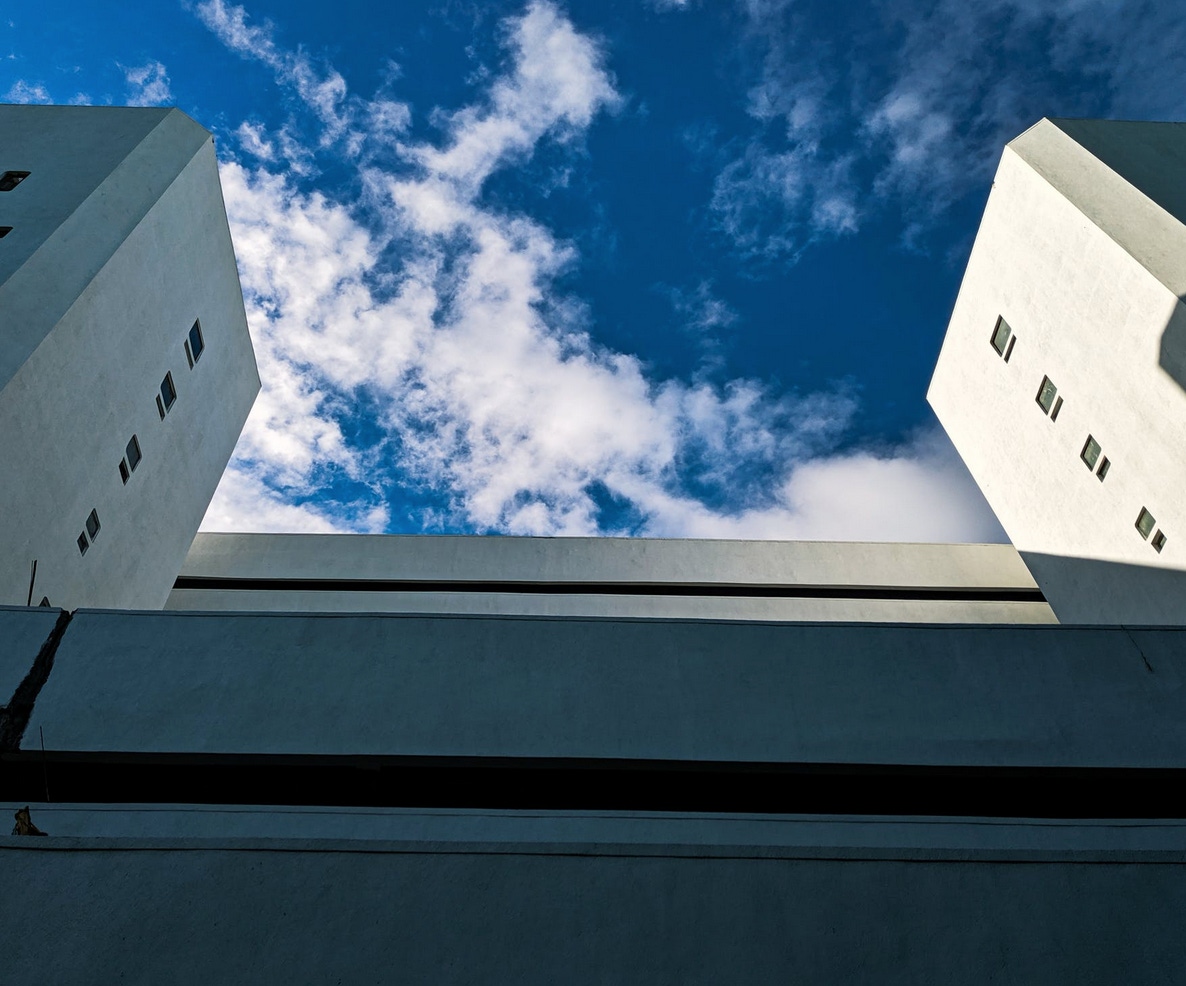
27,92
917,125
319,86
413,334
148,85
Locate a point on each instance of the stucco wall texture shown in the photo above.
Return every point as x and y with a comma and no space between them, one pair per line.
156,914
663,689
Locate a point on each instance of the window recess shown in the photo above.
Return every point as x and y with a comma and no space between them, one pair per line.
10,179
1145,523
167,397
4,231
1002,339
195,345
1158,541
1048,399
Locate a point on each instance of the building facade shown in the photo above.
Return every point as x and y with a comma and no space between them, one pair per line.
126,369
449,759
1061,378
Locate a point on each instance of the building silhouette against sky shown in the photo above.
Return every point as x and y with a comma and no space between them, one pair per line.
450,759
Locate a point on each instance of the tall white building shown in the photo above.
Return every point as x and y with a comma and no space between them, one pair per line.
1061,379
126,370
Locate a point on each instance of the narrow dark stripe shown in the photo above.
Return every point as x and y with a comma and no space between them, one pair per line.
622,785
14,717
757,591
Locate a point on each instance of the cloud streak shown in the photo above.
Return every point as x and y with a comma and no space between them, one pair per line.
915,127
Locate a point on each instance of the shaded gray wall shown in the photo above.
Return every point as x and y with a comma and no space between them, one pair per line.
521,687
477,914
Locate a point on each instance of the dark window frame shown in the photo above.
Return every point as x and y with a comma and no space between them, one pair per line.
10,179
133,446
168,394
1006,343
1148,526
1048,409
195,343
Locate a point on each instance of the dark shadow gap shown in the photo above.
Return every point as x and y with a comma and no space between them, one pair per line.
757,591
579,784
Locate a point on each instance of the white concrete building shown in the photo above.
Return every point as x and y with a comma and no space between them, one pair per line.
126,370
1061,379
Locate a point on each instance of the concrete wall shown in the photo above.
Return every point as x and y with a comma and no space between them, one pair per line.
682,690
1086,270
344,565
83,911
63,233
126,275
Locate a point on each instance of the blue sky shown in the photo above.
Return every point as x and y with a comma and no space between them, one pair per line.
647,268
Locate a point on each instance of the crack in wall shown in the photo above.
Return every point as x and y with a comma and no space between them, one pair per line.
1133,641
15,716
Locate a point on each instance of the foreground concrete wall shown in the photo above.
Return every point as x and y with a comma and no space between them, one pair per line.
257,572
520,687
85,911
93,320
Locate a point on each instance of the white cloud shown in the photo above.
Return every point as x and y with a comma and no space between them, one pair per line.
321,88
148,85
27,92
773,205
474,375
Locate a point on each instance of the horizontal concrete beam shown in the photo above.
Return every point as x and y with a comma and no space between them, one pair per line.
467,687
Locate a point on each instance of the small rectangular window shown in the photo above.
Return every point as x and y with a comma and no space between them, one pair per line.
4,231
1057,407
83,543
123,471
10,179
1145,523
197,344
160,408
1046,394
168,392
1009,351
1102,471
133,453
1158,541
1091,452
188,355
92,524
1000,336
